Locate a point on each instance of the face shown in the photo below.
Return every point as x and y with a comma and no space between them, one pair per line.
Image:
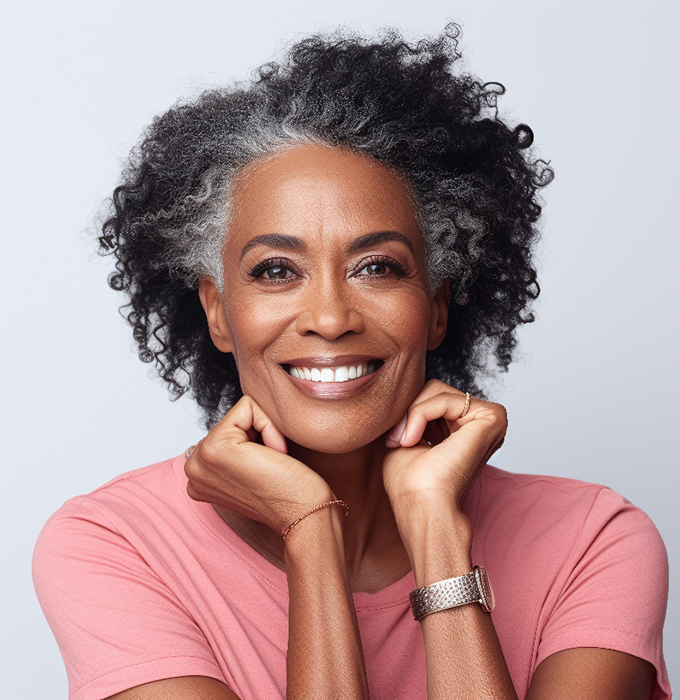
325,278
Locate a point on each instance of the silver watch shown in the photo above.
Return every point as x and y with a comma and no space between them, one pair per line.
474,587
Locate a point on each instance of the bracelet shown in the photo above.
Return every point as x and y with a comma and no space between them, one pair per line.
338,501
322,505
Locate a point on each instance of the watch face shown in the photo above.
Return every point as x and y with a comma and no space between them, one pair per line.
485,589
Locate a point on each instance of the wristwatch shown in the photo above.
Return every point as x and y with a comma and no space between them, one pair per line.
474,587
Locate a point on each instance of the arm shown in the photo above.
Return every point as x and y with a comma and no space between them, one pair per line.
478,667
438,540
325,658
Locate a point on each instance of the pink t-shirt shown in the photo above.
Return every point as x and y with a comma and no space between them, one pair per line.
139,582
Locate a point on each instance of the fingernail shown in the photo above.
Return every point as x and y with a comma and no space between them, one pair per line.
398,430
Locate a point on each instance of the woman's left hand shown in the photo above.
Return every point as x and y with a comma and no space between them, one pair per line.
440,454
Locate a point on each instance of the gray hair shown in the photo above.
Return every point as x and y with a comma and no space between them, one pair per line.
194,248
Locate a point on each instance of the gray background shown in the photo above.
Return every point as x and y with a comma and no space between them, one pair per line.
594,395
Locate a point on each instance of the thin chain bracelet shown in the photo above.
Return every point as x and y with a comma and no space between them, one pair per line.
338,501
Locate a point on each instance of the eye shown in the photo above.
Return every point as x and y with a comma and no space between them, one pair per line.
275,270
380,266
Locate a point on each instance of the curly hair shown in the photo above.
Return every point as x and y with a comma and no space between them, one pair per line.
474,187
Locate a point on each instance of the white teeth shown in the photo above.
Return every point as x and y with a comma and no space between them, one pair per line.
332,374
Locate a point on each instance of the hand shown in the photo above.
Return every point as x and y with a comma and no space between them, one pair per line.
440,454
260,481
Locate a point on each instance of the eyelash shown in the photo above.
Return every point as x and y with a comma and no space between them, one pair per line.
261,267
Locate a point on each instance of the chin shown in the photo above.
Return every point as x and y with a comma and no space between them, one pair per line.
333,442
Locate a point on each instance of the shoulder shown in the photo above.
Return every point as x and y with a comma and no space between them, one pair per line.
128,491
111,514
557,521
544,499
100,578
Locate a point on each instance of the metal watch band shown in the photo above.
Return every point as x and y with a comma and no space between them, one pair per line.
449,593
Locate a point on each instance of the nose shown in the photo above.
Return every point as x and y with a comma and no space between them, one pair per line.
329,308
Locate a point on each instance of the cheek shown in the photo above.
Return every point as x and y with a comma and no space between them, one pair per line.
255,325
405,321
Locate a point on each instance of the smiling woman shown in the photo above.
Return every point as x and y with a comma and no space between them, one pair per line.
326,259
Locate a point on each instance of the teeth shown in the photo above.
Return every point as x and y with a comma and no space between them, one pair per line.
333,374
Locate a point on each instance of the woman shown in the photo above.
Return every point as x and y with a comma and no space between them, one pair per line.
325,258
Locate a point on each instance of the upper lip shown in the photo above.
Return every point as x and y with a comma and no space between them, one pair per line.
326,361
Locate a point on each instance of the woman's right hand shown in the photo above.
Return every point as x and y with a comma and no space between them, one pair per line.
261,482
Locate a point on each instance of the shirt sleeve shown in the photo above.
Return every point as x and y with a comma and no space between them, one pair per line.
616,593
116,623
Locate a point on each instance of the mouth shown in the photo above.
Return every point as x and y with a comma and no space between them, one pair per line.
329,379
337,374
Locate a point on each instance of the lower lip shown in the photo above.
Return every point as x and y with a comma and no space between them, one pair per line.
332,390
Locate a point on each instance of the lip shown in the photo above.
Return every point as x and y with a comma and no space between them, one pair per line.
333,390
337,360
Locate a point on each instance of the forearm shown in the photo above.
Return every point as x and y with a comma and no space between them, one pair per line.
325,658
464,658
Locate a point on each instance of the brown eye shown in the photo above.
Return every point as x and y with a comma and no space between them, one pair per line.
381,266
276,273
273,270
376,268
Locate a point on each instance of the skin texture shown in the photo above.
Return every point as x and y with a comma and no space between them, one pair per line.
327,198
405,489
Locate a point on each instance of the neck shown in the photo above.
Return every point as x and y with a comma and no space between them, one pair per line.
371,537
356,478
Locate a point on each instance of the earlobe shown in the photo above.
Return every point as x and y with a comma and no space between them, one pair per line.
440,315
213,305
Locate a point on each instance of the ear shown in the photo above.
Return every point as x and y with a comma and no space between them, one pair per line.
439,316
213,305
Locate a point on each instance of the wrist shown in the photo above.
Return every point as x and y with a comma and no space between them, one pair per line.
316,537
437,537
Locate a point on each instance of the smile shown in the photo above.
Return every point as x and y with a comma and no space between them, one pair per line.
329,379
332,375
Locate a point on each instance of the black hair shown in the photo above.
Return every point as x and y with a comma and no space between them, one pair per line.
474,183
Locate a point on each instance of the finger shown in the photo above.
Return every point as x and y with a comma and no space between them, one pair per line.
389,442
248,415
272,437
448,406
436,431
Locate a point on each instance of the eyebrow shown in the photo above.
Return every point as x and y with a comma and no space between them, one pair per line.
282,240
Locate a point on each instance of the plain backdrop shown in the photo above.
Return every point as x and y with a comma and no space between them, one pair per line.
594,392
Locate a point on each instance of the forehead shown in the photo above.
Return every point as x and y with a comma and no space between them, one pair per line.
314,189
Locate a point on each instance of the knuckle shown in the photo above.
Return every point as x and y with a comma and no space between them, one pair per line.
209,451
497,415
502,412
193,493
192,470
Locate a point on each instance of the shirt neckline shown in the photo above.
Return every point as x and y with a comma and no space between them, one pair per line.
396,594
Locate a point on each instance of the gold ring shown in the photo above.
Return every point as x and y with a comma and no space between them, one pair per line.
467,404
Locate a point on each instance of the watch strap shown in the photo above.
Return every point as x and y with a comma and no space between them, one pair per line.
442,595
